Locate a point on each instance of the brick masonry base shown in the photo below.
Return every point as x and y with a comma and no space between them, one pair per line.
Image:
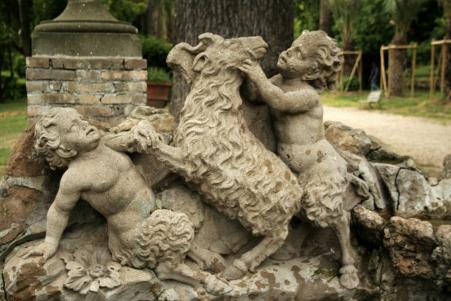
100,88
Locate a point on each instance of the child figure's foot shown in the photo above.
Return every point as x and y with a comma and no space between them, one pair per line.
217,286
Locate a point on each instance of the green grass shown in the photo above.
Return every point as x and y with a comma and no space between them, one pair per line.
420,105
13,121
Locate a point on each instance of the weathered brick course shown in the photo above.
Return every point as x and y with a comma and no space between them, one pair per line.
42,74
100,88
135,64
37,62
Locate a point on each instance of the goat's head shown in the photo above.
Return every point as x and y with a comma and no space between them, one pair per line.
214,53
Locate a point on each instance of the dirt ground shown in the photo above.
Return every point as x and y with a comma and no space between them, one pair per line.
426,141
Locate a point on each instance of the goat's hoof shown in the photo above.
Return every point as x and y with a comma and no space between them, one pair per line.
217,286
235,271
349,277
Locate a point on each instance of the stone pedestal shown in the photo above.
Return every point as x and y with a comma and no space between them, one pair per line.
100,88
88,60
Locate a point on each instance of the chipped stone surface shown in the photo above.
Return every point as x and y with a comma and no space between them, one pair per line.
353,140
31,278
412,195
410,243
368,218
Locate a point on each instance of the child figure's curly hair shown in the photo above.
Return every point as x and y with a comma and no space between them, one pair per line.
166,236
329,58
48,141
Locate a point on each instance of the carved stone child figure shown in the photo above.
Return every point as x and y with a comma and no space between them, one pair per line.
306,68
99,172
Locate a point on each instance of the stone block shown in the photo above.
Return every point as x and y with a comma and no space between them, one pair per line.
87,87
37,86
38,62
70,63
87,63
54,86
135,64
116,99
135,75
50,74
140,86
111,75
51,98
106,63
139,98
88,99
57,63
43,86
88,75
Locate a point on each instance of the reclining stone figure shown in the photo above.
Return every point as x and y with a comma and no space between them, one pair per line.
98,171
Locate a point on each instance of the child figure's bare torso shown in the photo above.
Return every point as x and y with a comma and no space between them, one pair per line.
301,142
112,191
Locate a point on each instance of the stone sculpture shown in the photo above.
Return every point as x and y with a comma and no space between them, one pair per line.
139,234
239,211
214,148
309,66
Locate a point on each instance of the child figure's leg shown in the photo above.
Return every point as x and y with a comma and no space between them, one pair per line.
349,277
183,273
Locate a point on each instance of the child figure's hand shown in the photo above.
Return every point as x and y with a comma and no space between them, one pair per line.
45,249
253,70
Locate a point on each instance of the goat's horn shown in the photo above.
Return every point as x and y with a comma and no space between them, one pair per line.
194,49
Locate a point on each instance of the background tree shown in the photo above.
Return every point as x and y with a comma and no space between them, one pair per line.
271,19
346,13
325,16
159,18
402,12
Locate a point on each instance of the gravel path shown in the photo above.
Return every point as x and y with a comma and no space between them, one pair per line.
426,141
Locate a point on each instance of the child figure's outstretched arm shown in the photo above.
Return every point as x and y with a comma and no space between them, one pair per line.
300,100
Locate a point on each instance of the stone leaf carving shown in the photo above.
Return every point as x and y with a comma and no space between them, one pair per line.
91,270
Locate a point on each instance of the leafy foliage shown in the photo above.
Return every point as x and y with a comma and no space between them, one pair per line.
346,13
307,16
126,10
155,51
158,75
403,12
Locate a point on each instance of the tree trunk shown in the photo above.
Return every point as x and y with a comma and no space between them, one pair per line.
271,19
24,16
396,64
325,16
147,19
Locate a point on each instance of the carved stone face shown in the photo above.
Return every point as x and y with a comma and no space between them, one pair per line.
298,60
75,131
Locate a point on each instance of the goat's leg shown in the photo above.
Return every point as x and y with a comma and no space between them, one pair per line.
250,260
206,259
183,273
171,156
349,277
